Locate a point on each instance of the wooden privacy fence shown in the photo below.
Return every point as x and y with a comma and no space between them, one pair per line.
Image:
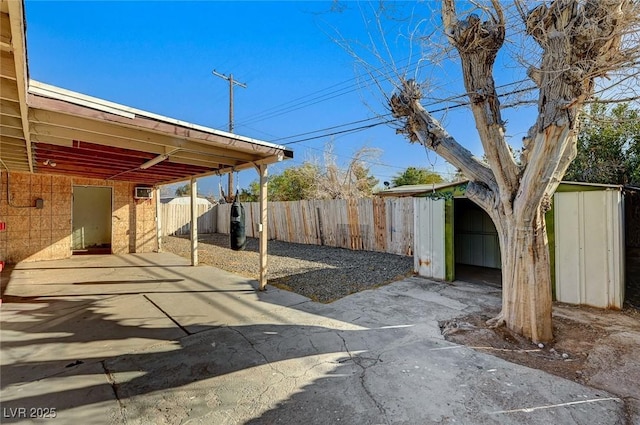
368,224
176,219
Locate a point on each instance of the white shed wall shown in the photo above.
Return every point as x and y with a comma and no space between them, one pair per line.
428,253
589,248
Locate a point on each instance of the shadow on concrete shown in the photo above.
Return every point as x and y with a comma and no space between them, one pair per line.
209,348
5,277
88,337
175,362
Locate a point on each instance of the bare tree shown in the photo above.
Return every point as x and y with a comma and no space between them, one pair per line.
354,181
578,43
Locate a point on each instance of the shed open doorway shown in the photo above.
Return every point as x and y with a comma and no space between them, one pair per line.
91,220
477,247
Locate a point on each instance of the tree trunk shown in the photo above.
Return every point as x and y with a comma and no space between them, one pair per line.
526,277
579,41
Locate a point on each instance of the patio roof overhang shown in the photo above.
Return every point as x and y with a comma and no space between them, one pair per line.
42,125
84,136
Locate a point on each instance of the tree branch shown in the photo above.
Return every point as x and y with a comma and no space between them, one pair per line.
482,196
478,43
580,41
421,127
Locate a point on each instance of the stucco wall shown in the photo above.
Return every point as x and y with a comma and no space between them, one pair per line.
45,234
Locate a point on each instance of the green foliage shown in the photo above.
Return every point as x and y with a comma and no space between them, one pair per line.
183,190
416,175
294,184
608,146
252,194
312,181
365,182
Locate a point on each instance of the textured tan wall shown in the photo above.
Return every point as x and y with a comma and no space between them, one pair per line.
45,234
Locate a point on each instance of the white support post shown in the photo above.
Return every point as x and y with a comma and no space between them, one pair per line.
262,170
194,223
158,219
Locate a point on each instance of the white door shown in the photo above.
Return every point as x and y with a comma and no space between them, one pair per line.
91,217
589,248
428,253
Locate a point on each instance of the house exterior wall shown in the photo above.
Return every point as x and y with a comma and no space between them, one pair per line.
34,234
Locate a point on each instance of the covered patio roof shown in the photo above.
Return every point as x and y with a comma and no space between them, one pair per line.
50,130
47,129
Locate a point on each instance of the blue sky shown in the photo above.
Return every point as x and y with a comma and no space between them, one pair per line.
159,57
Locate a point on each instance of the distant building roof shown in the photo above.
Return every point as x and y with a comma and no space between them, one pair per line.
185,200
608,186
418,189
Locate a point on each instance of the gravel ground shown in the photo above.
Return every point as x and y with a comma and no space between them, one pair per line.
321,273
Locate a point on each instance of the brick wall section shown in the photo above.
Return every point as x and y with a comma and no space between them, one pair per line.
45,234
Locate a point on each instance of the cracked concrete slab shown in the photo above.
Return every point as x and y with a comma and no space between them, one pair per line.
79,394
201,346
48,336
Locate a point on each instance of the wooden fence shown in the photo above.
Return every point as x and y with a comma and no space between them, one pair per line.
384,225
176,219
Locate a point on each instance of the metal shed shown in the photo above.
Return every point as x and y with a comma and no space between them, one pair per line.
585,228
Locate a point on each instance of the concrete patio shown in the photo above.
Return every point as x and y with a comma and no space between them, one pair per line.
146,338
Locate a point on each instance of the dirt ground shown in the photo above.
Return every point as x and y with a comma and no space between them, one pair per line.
597,348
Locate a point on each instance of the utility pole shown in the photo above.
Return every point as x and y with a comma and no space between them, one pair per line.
232,82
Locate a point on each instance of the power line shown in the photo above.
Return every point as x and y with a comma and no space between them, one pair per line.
281,109
382,164
431,111
351,130
330,128
365,127
304,102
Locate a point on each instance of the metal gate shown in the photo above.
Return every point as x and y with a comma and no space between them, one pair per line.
429,237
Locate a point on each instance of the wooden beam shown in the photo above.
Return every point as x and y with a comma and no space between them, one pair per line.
16,133
16,156
262,171
10,108
194,222
66,126
5,29
179,157
12,141
94,154
16,17
15,165
158,219
201,138
6,47
64,137
7,67
241,167
7,121
10,92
